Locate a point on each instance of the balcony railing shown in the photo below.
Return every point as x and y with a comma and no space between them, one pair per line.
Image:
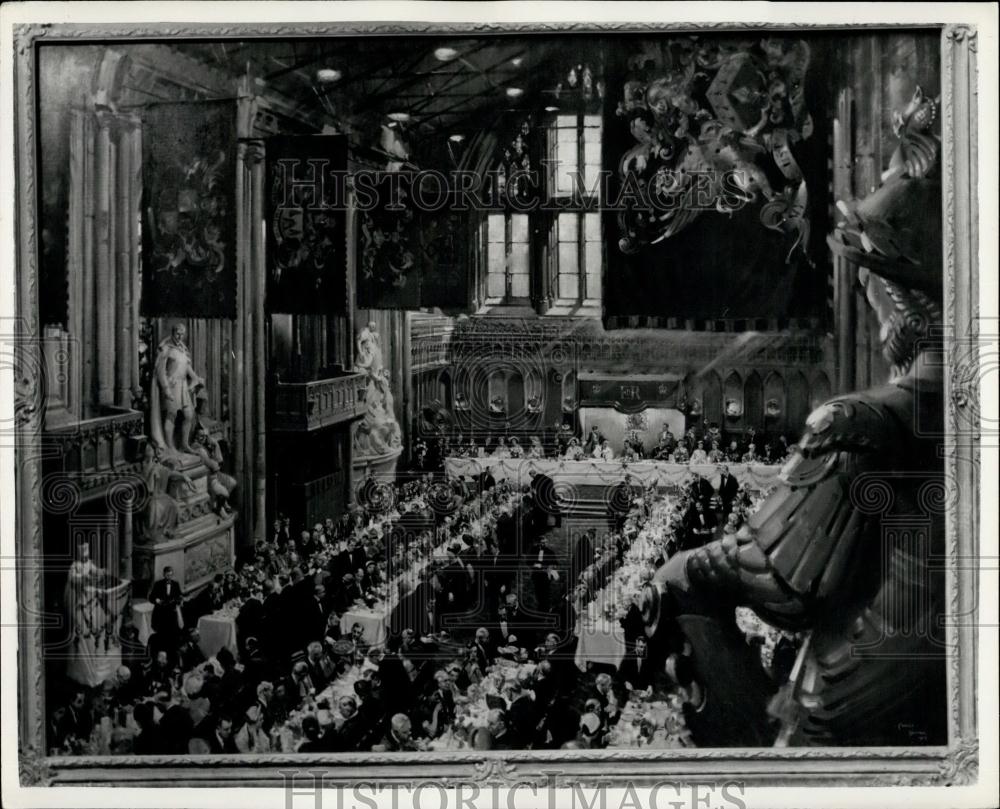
95,453
304,406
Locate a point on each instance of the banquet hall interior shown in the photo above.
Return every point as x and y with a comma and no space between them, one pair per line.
384,380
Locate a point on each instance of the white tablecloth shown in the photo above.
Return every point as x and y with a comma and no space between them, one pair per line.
142,617
373,621
582,473
600,641
217,631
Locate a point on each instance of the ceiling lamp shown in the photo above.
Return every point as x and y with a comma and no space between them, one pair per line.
399,117
445,54
328,75
514,92
456,138
517,61
552,108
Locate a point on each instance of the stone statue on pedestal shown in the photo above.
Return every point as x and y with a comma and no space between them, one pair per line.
378,432
220,485
162,509
172,394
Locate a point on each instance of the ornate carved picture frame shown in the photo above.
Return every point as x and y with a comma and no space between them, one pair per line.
956,763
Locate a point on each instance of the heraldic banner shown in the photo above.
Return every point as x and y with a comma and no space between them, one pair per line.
306,224
389,242
188,212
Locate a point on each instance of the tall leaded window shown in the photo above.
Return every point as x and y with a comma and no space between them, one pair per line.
574,183
505,239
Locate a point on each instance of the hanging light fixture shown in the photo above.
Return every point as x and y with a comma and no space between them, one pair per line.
514,92
445,54
399,117
328,75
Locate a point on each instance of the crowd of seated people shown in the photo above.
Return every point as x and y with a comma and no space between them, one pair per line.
459,636
289,599
704,443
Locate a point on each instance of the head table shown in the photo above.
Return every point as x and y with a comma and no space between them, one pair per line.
594,472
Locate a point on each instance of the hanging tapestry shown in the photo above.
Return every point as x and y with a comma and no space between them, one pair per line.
445,263
188,212
389,265
307,224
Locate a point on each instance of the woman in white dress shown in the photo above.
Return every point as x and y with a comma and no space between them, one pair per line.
699,456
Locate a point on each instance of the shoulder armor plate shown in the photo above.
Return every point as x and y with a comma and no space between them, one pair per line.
859,422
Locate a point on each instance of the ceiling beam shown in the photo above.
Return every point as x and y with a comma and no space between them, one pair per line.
375,99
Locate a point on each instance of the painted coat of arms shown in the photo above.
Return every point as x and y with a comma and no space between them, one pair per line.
189,224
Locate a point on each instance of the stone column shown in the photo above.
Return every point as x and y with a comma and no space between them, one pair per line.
844,274
104,310
125,548
126,248
258,282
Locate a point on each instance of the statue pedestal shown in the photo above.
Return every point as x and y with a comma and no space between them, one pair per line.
202,545
384,467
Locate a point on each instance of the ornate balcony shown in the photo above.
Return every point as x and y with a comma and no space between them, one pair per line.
92,454
306,406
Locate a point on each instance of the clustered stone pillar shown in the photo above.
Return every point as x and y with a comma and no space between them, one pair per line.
103,255
248,401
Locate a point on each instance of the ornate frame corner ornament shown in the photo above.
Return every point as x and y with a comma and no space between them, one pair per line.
33,768
955,764
961,766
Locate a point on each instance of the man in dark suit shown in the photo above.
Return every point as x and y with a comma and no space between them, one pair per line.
399,737
165,595
493,573
279,533
483,650
702,490
206,602
699,525
545,500
512,620
620,501
583,554
637,669
357,555
542,561
594,440
455,583
523,714
437,708
347,593
352,731
497,735
220,740
312,615
728,489
486,480
189,654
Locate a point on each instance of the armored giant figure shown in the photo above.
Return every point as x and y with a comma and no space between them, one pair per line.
843,551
